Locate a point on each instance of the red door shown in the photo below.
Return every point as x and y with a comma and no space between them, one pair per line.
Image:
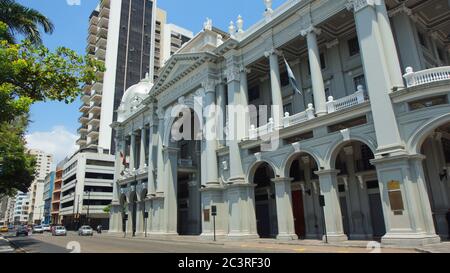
299,214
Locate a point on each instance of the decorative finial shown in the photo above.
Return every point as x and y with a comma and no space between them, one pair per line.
219,40
208,24
240,24
268,4
232,29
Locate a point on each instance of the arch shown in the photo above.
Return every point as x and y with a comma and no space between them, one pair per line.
255,166
189,103
287,164
333,152
416,140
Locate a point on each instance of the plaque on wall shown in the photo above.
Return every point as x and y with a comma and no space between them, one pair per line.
395,197
206,214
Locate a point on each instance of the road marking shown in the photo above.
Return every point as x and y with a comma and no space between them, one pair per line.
343,251
300,249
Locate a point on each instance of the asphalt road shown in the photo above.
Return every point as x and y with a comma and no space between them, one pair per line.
45,243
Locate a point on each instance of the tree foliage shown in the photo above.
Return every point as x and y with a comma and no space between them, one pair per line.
24,21
30,73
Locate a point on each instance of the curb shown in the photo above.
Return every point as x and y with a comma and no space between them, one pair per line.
165,240
17,248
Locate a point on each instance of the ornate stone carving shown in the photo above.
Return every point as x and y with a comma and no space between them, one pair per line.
209,85
233,74
310,29
358,5
208,24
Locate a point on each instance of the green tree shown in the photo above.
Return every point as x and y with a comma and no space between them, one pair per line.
23,20
31,73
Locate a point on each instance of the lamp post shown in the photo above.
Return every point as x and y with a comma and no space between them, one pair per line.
89,202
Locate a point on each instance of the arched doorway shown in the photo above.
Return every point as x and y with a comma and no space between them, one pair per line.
308,219
436,166
133,209
188,172
123,212
265,203
359,192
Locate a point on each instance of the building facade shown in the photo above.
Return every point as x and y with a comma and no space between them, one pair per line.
359,152
44,163
56,195
20,214
86,190
47,196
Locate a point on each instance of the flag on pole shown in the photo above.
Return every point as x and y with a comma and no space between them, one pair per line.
292,79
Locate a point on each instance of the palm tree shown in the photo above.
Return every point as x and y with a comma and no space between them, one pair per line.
24,21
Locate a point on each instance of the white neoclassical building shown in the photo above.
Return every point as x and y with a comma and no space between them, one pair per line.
367,134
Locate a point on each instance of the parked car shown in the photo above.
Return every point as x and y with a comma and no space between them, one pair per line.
59,231
4,229
46,228
85,231
38,229
22,230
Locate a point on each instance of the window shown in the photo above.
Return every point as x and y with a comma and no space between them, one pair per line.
287,108
253,93
422,40
359,80
353,46
284,79
323,63
106,176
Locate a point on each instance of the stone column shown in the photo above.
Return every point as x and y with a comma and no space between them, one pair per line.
151,164
316,70
275,83
140,218
214,195
332,209
129,228
390,48
406,33
338,81
170,194
221,113
379,83
242,217
115,219
236,169
142,162
402,184
210,137
285,215
133,151
160,157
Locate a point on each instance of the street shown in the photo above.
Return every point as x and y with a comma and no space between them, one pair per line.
72,243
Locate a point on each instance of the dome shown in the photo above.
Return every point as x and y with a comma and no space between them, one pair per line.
133,97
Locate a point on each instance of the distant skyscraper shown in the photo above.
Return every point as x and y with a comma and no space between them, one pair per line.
128,35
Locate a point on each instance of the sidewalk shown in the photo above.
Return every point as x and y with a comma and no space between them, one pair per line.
437,248
5,246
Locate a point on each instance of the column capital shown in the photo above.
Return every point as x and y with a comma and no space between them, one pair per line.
400,9
243,68
311,29
272,51
209,85
232,74
358,5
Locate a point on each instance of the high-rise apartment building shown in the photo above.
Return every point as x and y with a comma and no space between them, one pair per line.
21,208
129,36
44,163
47,197
56,196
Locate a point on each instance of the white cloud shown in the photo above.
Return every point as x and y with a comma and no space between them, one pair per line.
73,2
59,142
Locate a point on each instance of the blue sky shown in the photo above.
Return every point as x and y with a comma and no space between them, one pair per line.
54,125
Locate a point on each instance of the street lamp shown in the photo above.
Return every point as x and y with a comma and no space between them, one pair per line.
89,202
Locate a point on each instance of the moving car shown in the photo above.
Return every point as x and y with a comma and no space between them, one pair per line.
46,228
38,229
4,229
22,230
59,231
85,231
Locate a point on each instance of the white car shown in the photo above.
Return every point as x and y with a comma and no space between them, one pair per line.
85,231
46,228
38,229
59,231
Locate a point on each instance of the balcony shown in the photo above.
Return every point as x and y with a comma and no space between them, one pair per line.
84,108
104,12
185,162
81,141
95,108
96,96
83,130
103,22
83,119
101,43
332,106
103,33
93,29
94,120
98,86
100,53
426,76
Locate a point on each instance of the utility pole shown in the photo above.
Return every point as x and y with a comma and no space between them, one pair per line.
89,201
78,211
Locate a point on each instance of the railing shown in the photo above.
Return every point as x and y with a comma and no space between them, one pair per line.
426,76
346,102
300,117
262,130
